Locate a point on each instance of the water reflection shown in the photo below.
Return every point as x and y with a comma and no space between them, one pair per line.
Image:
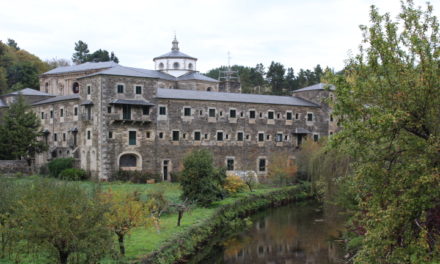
291,234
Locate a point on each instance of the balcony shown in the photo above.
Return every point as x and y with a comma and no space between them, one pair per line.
129,119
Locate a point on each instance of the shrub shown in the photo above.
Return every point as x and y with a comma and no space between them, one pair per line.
135,176
234,184
56,166
73,174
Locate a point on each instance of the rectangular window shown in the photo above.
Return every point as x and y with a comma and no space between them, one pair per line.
51,113
138,89
64,136
55,137
109,109
232,113
296,116
88,134
120,88
89,112
161,135
279,137
240,136
61,112
331,118
219,136
211,112
110,134
148,134
252,114
289,116
230,164
131,137
145,110
270,115
187,111
126,112
206,136
88,89
42,115
260,137
176,135
262,165
197,135
162,110
309,116
315,137
75,111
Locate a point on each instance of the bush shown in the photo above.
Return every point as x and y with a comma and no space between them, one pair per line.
135,176
56,166
234,184
73,174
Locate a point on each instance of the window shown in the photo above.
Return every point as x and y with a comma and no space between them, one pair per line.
261,115
232,113
89,88
88,134
61,112
42,115
162,110
240,136
109,109
267,137
270,115
131,137
160,135
187,111
262,165
148,134
279,137
64,136
252,114
126,112
206,136
51,113
75,111
315,137
208,89
161,66
145,110
260,137
138,89
176,65
230,164
55,138
201,112
296,116
190,66
309,116
241,114
221,113
331,118
75,87
289,115
110,134
120,88
211,112
278,116
197,135
219,136
176,135
128,160
184,136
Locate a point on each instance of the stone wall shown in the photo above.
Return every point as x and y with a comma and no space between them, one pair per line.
14,166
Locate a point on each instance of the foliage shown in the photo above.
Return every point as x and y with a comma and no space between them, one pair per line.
62,219
281,169
19,132
82,54
73,174
234,184
200,181
56,166
127,211
55,63
135,176
275,77
389,100
250,179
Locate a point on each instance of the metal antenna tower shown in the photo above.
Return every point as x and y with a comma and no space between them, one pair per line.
228,74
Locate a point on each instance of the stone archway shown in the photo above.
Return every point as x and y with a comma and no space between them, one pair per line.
129,161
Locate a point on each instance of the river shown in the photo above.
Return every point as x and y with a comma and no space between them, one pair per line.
303,233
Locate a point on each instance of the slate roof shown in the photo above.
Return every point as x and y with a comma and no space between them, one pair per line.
131,102
232,97
319,86
29,91
174,54
83,67
133,72
196,76
58,99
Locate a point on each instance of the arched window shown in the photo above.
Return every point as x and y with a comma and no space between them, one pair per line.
75,87
176,65
190,66
128,160
209,89
161,66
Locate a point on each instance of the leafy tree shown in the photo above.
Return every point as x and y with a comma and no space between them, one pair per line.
81,52
200,181
275,77
22,75
55,62
291,83
11,43
127,211
281,170
19,132
63,220
389,99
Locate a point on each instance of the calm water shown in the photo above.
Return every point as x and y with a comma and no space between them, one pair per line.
299,233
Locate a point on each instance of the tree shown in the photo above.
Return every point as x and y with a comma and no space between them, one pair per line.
127,211
22,75
55,63
282,170
275,77
250,179
63,218
81,52
389,99
200,181
291,83
19,132
11,43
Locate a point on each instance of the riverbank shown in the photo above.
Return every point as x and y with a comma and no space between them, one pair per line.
223,215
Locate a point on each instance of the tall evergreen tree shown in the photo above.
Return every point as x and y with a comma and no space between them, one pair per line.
275,77
81,52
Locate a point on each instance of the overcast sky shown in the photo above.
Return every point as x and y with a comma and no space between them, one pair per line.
297,33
